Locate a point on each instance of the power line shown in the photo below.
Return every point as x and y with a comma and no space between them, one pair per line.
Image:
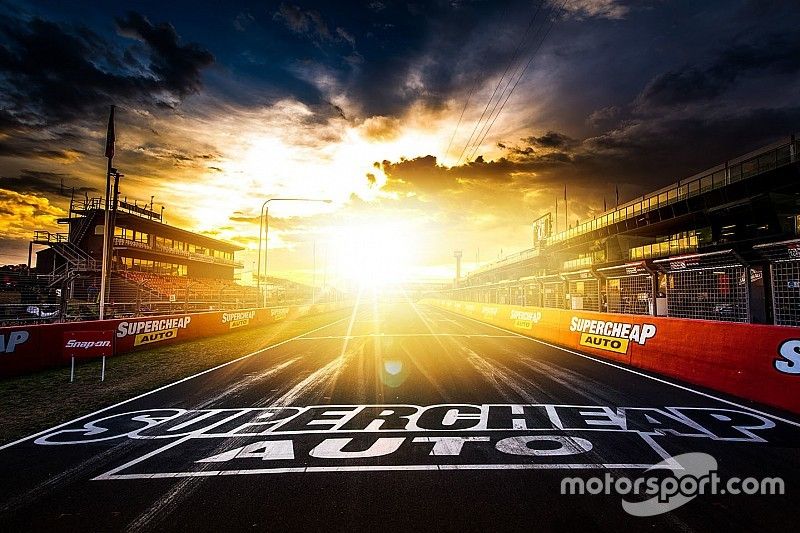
466,103
500,81
560,10
510,80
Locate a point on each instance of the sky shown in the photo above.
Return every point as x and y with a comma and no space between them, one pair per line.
432,126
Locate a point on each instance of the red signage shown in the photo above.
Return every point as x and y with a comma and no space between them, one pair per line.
88,344
753,361
33,348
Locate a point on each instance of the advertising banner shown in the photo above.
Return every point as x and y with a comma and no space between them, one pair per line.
88,344
752,361
26,349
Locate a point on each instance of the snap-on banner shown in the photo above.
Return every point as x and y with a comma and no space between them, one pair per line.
26,349
88,344
752,361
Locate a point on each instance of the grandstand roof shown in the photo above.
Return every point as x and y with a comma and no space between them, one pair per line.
173,232
132,220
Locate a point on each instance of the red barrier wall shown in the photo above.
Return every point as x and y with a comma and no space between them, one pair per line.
26,349
756,362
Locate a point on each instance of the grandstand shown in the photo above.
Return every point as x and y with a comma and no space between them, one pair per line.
156,267
721,245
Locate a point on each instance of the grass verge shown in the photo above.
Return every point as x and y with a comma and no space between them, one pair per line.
38,401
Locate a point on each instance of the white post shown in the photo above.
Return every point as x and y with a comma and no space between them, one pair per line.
103,370
314,274
72,370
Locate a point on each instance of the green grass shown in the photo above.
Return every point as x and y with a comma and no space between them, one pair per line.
35,402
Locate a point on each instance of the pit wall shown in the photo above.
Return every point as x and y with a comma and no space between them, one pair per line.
752,361
25,349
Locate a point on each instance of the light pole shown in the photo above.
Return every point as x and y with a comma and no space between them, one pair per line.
263,227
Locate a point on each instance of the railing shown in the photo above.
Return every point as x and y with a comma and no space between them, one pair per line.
31,313
730,172
84,225
48,237
59,242
664,249
580,262
122,205
121,241
509,259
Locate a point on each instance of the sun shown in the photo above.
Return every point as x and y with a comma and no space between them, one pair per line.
375,254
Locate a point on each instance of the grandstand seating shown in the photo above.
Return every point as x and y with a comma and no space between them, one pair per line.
192,289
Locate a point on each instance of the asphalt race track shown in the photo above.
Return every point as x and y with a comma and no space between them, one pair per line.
401,417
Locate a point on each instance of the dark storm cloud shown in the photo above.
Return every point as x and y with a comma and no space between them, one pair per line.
551,139
431,54
176,66
20,147
772,54
308,22
643,155
52,73
47,183
56,78
153,153
424,174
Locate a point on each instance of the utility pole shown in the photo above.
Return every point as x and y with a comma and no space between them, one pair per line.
263,228
555,230
110,142
314,274
457,254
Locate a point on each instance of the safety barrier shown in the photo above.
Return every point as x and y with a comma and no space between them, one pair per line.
756,362
26,349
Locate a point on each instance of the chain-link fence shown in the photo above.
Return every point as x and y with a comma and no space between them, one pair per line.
712,286
784,269
629,289
553,292
531,292
583,289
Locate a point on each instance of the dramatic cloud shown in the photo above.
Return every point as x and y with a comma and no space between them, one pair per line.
223,105
45,183
176,67
52,74
381,128
303,22
21,214
773,54
611,9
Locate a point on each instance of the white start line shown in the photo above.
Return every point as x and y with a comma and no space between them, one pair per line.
331,438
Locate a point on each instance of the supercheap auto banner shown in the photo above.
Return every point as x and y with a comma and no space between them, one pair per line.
752,361
31,348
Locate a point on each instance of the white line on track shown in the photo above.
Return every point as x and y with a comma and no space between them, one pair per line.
251,354
379,468
373,335
632,371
